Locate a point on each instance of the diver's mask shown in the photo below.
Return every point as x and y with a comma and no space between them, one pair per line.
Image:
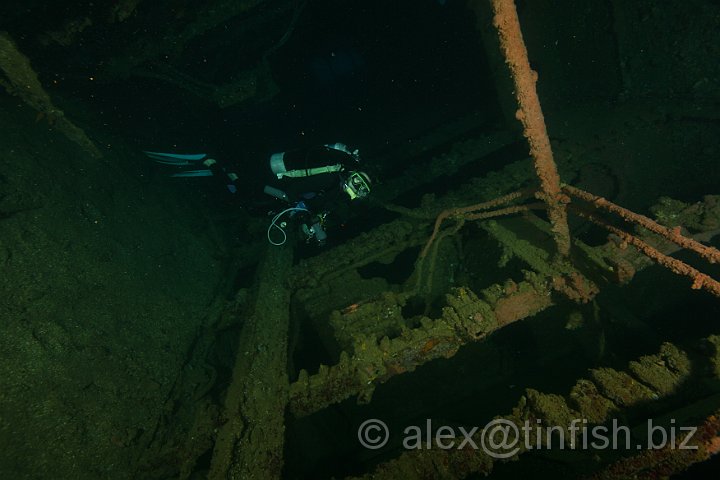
357,185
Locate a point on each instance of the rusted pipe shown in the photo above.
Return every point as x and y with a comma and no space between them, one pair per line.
710,254
464,211
700,280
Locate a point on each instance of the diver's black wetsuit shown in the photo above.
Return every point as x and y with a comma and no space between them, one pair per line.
320,192
314,186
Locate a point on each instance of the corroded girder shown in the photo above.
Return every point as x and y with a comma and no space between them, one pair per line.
565,278
596,400
466,318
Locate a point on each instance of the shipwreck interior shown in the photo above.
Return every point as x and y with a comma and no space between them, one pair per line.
539,249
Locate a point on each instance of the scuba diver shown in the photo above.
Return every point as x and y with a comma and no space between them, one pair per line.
310,183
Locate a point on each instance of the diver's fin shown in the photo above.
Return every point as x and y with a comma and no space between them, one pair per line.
175,158
193,173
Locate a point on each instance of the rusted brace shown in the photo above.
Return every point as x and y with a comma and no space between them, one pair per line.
710,254
530,114
700,280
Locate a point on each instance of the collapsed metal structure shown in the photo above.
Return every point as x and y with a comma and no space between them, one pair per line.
374,342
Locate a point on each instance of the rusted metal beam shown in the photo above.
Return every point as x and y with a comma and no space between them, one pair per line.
699,279
466,318
595,400
710,254
530,115
564,277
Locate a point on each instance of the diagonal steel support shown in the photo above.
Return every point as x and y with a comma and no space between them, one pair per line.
530,115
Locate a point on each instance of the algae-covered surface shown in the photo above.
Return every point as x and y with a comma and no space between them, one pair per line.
141,337
105,278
